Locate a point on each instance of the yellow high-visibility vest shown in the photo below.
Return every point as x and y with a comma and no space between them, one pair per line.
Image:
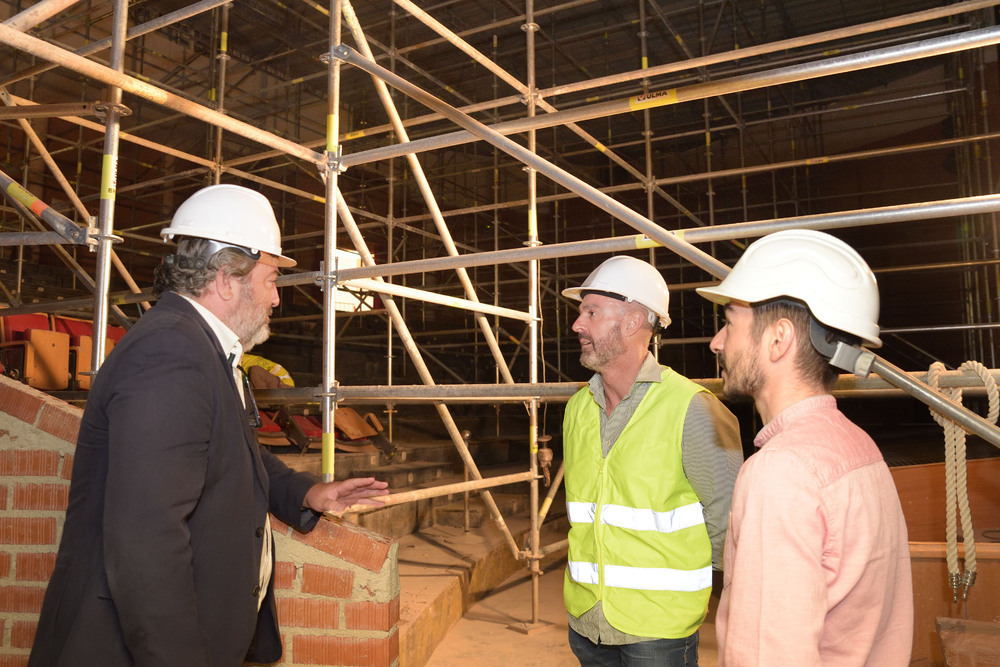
637,539
271,367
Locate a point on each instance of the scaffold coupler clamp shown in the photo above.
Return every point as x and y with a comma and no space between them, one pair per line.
545,456
93,236
332,278
533,561
102,109
530,97
333,394
334,162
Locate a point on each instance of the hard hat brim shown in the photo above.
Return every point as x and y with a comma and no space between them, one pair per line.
279,261
714,295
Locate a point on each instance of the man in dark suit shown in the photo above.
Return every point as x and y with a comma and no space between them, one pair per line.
166,554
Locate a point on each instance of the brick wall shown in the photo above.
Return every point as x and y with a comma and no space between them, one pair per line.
337,588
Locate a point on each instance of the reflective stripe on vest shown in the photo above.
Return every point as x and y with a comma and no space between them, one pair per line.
637,518
585,573
642,578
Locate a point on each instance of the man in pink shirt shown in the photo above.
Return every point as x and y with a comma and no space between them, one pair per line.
817,567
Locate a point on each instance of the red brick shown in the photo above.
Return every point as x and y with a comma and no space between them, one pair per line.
62,421
284,575
22,634
330,581
349,542
326,650
280,528
28,462
34,567
67,467
21,598
372,615
308,613
27,530
14,660
3,497
41,496
4,568
19,400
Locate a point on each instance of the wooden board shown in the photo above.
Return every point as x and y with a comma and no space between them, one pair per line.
969,643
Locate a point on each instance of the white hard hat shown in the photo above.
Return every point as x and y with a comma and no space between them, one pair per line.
822,271
631,278
233,215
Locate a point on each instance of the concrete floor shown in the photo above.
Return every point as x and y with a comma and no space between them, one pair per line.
482,636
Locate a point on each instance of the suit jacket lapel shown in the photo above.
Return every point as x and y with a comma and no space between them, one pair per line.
177,302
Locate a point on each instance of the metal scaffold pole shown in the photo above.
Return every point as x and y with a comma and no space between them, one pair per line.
220,91
530,28
109,180
331,170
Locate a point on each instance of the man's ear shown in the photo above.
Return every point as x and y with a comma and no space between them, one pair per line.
633,322
781,339
225,285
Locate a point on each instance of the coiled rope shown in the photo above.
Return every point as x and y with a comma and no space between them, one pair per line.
955,481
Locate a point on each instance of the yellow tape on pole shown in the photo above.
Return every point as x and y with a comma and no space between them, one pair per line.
331,134
328,445
109,177
30,201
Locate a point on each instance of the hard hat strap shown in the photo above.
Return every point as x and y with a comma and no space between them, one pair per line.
846,356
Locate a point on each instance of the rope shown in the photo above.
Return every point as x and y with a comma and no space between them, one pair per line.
956,481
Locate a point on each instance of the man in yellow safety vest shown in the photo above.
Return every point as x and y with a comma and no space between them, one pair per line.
651,459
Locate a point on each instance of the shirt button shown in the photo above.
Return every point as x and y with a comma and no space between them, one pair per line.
260,531
255,592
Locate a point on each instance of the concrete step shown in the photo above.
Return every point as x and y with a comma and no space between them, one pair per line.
410,473
345,464
484,452
453,514
443,571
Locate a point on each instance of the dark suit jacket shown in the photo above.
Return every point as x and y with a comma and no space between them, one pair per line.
160,554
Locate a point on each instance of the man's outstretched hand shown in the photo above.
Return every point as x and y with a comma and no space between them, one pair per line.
337,496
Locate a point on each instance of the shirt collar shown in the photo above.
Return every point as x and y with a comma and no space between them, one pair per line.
227,338
791,414
648,372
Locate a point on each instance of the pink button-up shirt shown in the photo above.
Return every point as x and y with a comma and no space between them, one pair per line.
817,564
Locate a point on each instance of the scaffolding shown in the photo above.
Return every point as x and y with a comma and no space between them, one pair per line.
712,81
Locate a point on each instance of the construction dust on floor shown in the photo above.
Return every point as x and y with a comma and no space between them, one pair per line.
483,636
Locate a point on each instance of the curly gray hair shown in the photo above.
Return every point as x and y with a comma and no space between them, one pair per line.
196,263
